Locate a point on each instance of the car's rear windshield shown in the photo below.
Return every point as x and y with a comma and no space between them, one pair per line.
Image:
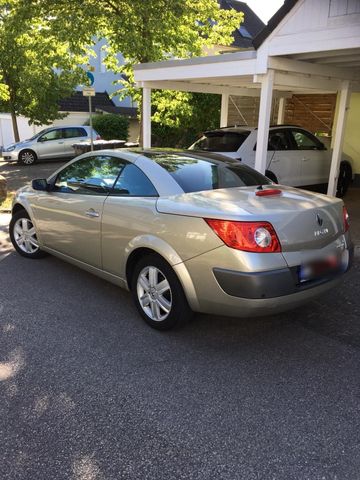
197,174
221,141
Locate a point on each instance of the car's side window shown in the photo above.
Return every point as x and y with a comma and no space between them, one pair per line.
278,140
73,132
51,135
132,181
94,175
305,141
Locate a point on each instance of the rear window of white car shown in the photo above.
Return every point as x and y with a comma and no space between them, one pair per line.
220,141
198,174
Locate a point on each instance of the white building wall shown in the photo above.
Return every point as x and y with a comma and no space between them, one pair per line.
105,79
6,130
73,118
313,26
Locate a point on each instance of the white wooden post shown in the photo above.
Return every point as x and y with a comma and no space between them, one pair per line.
1,135
267,84
339,136
281,111
224,110
146,117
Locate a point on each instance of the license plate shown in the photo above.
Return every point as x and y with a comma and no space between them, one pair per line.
332,264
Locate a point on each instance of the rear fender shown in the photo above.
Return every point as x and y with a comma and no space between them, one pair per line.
159,246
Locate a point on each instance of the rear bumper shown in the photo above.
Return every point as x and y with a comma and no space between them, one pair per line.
223,291
273,283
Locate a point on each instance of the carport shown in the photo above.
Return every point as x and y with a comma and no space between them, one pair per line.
321,56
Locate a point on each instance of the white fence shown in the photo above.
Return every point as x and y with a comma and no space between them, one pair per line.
6,130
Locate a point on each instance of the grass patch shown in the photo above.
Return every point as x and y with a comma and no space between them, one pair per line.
6,204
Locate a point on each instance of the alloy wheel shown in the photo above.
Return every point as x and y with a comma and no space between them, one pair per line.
25,236
27,158
154,293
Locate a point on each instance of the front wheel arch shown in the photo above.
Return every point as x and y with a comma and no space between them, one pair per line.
17,207
23,240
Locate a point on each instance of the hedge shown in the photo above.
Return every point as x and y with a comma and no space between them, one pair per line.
111,126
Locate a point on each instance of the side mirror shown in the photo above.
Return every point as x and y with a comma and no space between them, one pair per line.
40,184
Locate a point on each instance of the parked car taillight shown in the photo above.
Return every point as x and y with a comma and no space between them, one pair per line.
346,219
259,237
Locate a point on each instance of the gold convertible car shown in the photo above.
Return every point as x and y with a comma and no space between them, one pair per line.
186,232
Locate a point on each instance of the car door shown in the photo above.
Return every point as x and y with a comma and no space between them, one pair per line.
313,156
69,217
129,211
284,161
50,144
73,135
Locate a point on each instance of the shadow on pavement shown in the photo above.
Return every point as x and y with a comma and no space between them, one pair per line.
92,392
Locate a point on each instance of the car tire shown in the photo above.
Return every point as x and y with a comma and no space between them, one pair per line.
23,236
344,180
158,294
27,157
271,176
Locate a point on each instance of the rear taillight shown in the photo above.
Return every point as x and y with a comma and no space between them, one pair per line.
257,237
346,219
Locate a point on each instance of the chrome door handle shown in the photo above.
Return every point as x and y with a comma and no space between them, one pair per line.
60,143
305,159
275,161
91,213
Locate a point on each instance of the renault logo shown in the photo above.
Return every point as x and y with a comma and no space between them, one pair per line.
319,220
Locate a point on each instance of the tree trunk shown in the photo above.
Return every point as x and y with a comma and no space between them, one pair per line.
15,125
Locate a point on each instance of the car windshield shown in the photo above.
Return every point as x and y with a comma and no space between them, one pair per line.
197,174
39,133
221,141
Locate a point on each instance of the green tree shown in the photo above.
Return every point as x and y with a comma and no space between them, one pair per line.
180,117
37,68
165,29
146,31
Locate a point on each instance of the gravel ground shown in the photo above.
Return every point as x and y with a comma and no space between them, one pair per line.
89,392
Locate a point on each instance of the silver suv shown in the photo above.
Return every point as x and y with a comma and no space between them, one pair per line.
51,143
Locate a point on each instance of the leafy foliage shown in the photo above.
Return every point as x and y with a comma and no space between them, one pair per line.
36,69
148,31
111,126
42,42
179,118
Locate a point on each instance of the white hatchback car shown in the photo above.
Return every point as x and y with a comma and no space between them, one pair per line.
295,156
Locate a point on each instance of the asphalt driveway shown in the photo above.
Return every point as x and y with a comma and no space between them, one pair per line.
89,392
18,175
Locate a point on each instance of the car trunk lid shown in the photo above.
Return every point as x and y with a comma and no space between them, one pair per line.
302,220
